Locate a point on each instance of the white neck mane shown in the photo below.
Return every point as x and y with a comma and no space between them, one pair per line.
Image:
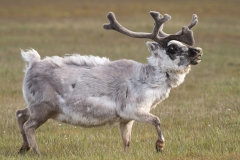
166,70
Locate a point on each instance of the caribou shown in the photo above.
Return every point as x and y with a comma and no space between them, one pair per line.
90,91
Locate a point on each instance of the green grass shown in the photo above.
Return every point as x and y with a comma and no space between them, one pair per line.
200,119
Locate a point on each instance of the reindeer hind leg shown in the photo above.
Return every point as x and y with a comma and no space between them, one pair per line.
22,116
40,113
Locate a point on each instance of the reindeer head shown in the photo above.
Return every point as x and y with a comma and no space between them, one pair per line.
178,46
176,53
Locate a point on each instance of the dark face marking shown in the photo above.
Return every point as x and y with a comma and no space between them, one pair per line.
173,51
183,55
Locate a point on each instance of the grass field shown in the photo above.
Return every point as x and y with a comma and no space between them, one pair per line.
200,119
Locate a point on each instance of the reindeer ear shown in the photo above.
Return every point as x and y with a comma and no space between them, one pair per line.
152,46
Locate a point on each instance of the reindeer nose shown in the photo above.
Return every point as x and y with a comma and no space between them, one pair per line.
196,50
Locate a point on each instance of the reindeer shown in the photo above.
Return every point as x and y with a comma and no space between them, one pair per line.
90,91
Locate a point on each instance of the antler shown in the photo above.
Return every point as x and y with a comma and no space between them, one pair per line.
193,22
185,35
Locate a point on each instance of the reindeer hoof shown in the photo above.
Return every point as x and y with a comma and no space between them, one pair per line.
160,145
23,149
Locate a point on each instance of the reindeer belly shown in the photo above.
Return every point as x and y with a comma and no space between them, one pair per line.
93,111
84,121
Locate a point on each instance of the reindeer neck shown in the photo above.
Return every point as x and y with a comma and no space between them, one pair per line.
159,76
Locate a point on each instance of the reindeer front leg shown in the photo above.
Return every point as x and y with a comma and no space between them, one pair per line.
154,120
160,142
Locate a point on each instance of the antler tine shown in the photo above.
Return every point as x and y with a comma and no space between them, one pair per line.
115,25
193,22
159,22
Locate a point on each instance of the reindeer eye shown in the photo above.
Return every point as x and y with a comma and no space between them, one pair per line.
172,49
